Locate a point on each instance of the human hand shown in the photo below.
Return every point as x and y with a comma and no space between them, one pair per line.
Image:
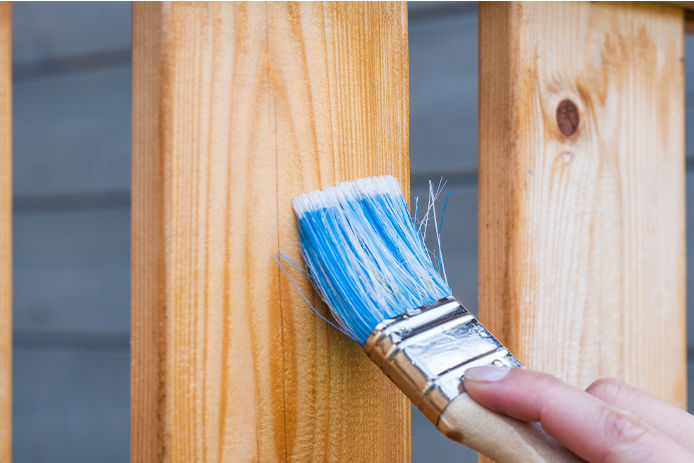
608,422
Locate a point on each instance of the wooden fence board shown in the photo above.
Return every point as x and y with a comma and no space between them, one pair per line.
5,232
237,108
582,235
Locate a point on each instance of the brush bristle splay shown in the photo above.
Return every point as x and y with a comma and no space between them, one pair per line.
364,254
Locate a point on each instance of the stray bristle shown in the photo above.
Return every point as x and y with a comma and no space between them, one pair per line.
364,254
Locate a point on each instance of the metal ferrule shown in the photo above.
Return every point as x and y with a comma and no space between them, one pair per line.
426,351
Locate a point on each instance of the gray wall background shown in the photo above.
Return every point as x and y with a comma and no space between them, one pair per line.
72,202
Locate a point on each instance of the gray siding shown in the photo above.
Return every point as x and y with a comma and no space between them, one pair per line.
44,33
72,271
72,132
71,232
71,404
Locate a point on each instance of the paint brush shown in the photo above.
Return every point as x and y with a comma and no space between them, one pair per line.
370,265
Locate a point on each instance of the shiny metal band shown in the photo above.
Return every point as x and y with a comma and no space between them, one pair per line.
426,351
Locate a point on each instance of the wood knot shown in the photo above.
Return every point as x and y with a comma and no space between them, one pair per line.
567,117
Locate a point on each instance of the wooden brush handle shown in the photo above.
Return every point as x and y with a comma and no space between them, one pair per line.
501,438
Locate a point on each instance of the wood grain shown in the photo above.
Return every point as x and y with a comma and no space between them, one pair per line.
5,232
582,237
688,15
236,109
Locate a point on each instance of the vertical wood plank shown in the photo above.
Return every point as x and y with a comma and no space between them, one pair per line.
236,109
582,243
5,232
147,287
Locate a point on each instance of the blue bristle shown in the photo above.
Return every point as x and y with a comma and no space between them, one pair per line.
364,254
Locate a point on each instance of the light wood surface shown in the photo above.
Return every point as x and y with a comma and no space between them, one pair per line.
688,15
236,109
582,236
5,232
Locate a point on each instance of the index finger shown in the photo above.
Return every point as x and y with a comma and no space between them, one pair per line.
670,420
584,424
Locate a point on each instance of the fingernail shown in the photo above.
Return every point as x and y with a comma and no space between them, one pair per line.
487,374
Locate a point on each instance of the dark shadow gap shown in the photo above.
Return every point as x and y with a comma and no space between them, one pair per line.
71,64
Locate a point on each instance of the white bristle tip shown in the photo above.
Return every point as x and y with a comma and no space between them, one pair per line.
345,191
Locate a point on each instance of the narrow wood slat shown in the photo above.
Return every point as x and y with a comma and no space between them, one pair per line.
5,232
582,243
236,109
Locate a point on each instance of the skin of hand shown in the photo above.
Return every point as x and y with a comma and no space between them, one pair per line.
608,422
